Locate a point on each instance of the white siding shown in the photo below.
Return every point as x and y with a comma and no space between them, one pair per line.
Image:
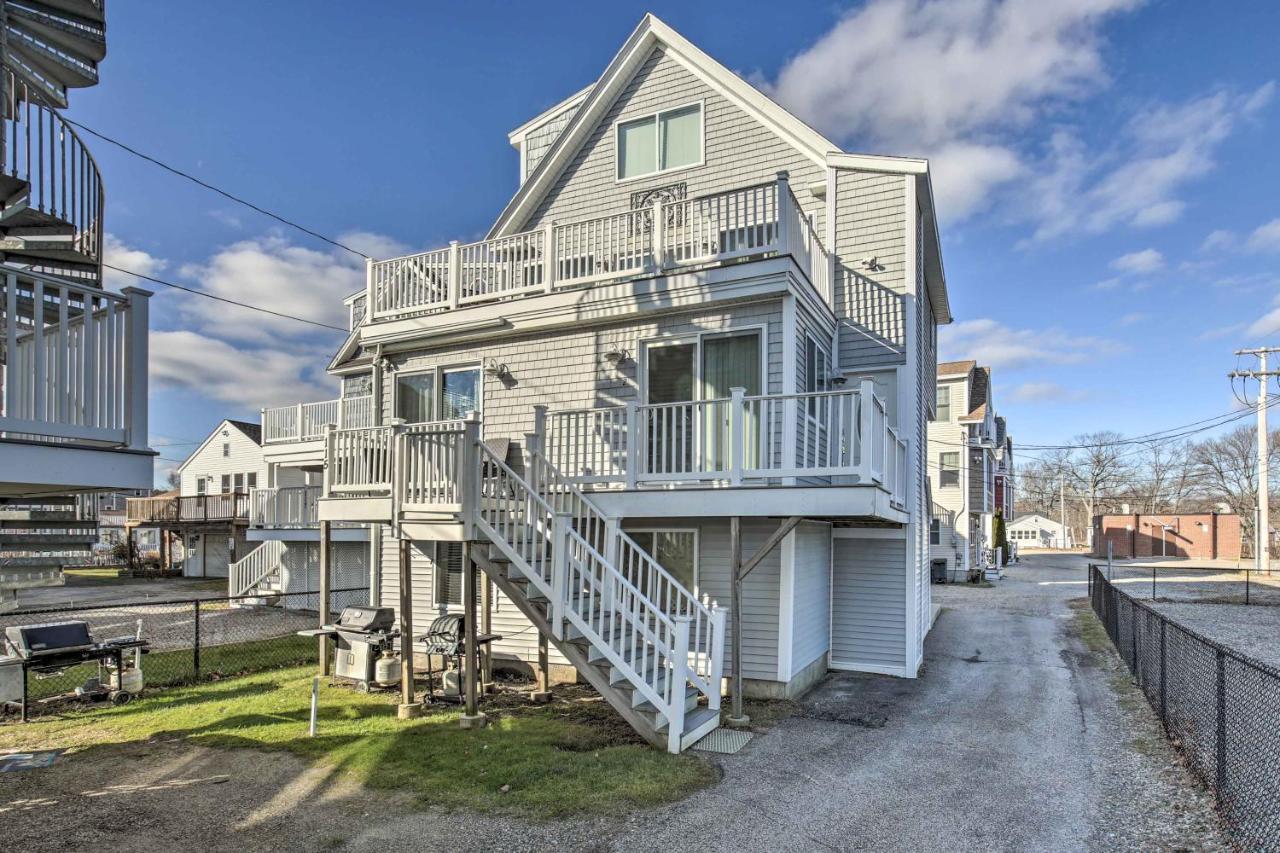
868,622
811,610
209,461
870,222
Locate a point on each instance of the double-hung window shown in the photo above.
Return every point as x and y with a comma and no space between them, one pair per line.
935,532
226,483
667,140
944,403
949,469
817,366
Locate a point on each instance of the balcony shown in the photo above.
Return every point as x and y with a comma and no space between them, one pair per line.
752,222
779,453
292,512
308,421
230,507
823,438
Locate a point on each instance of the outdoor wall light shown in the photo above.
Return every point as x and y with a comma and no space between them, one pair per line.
837,379
494,369
615,355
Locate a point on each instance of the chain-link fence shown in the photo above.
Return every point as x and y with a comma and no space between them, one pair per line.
1220,707
192,639
1201,584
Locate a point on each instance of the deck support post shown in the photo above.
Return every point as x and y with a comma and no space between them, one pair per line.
408,708
323,604
486,628
472,718
542,693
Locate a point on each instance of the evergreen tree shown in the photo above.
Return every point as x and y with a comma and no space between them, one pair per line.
999,539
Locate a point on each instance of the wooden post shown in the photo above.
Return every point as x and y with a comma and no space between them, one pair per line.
131,552
542,694
472,718
736,716
408,708
486,627
323,642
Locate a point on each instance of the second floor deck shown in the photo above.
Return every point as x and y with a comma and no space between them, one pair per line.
229,507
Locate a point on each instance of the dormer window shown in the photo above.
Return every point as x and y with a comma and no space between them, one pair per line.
662,142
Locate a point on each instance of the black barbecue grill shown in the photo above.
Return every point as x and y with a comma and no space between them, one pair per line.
53,647
363,636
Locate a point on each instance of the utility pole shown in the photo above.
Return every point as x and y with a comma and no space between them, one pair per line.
1062,505
1262,535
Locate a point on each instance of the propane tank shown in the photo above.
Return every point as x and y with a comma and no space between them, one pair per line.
386,671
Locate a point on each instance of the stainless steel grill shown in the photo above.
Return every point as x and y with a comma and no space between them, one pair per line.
364,646
50,648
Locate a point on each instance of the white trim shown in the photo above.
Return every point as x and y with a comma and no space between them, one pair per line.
761,330
516,136
878,163
786,606
875,668
700,103
437,372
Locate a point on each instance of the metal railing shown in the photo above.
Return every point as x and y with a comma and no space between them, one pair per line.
1221,707
308,421
75,360
765,219
821,436
38,147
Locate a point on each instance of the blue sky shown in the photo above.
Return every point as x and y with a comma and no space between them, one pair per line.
1105,173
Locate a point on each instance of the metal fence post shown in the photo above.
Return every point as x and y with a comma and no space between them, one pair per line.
1221,775
195,646
1164,718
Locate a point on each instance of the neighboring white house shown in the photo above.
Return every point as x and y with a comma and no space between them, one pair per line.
696,315
73,355
971,468
1034,531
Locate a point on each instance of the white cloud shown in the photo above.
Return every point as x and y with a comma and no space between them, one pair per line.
117,254
1144,261
996,345
1218,240
1135,181
247,379
1265,238
945,79
1045,392
1133,319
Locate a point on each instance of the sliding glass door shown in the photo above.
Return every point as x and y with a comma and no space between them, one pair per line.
688,383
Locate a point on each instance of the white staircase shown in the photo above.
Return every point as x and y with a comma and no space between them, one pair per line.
643,641
258,571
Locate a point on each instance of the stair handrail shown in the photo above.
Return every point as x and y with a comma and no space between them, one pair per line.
652,633
706,645
249,571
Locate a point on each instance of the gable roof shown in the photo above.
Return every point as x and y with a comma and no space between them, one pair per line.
250,430
956,368
635,50
979,394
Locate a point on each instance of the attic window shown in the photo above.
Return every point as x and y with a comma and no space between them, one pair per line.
667,140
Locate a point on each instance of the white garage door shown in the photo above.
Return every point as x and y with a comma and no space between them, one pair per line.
216,555
868,605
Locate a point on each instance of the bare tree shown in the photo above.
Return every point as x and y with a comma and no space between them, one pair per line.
1227,470
1165,478
1097,469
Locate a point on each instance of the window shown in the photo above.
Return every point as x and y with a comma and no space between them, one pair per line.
239,482
437,394
817,367
668,140
226,483
448,584
949,469
935,532
944,403
251,480
226,448
676,550
202,485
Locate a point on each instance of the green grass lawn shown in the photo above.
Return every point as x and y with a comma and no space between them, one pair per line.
572,757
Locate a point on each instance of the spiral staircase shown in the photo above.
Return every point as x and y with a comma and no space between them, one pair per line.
51,195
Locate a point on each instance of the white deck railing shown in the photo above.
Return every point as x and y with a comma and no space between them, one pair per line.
285,506
823,437
256,566
308,421
752,221
76,361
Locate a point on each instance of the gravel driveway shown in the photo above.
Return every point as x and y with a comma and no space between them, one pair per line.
1016,737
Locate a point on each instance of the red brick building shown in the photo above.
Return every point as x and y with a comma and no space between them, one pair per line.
1198,536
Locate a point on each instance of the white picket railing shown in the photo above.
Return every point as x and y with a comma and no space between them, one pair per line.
308,421
757,220
285,507
246,574
648,645
76,361
359,461
430,463
810,436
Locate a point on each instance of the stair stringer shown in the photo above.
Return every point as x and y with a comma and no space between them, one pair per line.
572,651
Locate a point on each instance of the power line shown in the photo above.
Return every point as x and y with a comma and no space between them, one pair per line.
208,295
135,152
